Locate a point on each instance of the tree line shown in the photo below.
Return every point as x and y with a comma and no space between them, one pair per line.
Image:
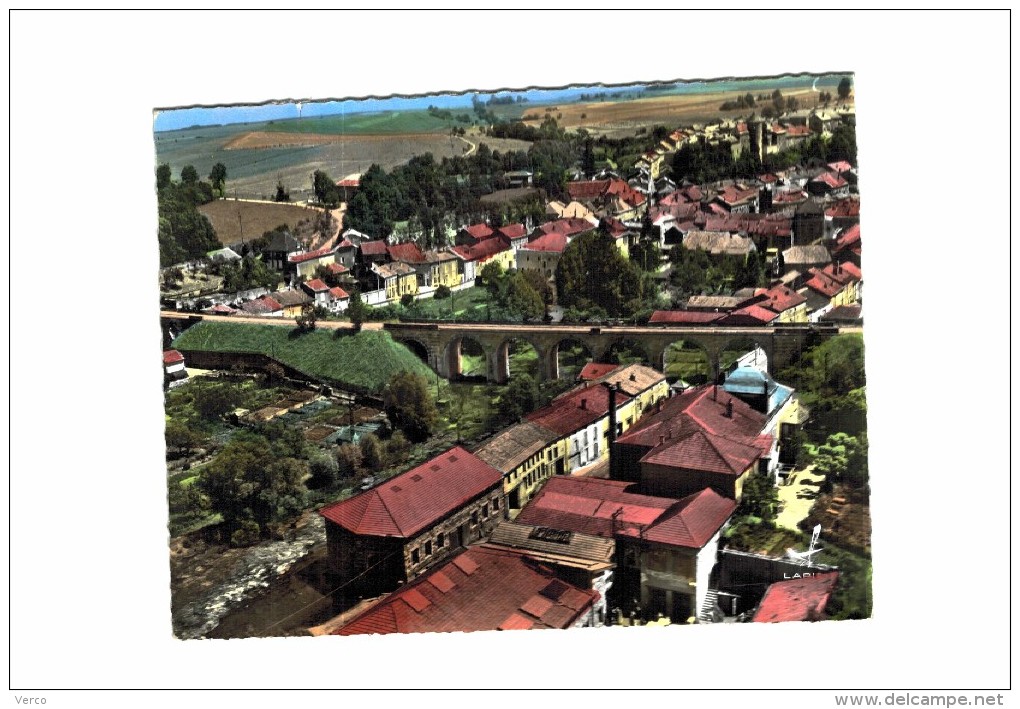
184,233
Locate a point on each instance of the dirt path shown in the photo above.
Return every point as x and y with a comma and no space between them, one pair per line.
472,147
798,498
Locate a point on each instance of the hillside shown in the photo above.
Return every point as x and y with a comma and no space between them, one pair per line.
366,360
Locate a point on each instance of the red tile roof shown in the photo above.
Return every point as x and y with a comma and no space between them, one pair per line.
796,599
373,248
337,268
408,252
824,284
569,226
833,181
607,508
844,208
346,244
554,242
354,182
479,231
338,293
689,317
749,315
481,251
840,166
513,231
575,409
796,131
849,238
780,298
693,431
408,503
595,189
316,285
310,256
172,357
506,590
596,370
733,195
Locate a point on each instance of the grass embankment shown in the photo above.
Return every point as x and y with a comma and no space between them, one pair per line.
363,361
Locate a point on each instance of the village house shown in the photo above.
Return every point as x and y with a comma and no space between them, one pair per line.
266,306
318,291
397,279
527,454
305,265
471,259
543,253
847,246
702,438
609,198
665,547
473,234
582,417
173,368
413,521
828,184
292,300
514,234
433,268
339,300
485,587
719,243
804,258
573,210
280,248
837,284
583,560
789,306
738,198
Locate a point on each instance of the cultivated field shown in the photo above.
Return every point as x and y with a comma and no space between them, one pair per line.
235,220
614,117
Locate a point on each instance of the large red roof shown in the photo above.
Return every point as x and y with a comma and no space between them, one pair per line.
698,430
830,179
413,501
310,256
483,588
781,298
749,315
316,285
479,231
576,409
569,226
797,599
408,252
606,508
373,248
844,208
172,357
554,242
513,231
849,238
482,250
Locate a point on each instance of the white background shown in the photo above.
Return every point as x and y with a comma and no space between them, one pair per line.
89,568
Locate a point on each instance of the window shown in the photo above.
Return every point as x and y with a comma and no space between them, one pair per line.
440,540
415,556
474,517
428,548
485,510
495,504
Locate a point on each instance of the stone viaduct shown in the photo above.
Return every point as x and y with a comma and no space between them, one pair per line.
440,344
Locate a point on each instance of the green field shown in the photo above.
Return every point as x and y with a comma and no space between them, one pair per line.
388,123
687,361
363,361
466,304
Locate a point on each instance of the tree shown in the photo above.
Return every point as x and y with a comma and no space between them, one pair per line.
372,453
211,401
593,272
218,178
348,458
245,481
325,189
357,311
163,176
518,399
844,88
521,299
282,195
324,469
442,292
180,436
397,448
409,407
759,497
407,300
492,277
645,254
306,320
189,175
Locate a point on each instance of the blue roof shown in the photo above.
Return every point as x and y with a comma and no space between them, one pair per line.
752,381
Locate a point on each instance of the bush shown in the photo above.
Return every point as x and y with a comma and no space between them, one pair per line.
442,292
407,300
247,533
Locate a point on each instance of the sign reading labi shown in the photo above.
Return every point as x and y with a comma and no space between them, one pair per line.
514,360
